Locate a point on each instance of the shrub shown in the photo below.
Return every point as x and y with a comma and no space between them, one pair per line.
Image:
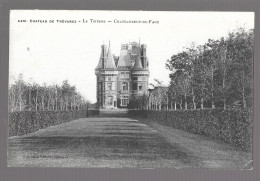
233,126
25,122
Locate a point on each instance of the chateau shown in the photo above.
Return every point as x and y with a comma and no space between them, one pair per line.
120,79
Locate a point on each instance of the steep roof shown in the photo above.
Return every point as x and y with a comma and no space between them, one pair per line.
124,59
110,63
138,63
102,57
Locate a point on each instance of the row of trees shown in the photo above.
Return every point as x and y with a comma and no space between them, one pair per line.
218,73
25,96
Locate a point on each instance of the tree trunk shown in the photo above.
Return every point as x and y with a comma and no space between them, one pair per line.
30,104
48,105
243,91
20,97
225,106
202,103
186,105
224,86
213,105
193,99
244,101
167,106
36,100
43,103
56,104
212,88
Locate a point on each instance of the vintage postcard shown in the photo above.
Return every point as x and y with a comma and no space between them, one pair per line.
130,89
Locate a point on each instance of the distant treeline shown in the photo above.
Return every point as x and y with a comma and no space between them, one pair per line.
24,96
216,74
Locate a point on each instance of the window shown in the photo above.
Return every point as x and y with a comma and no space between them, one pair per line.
124,101
124,47
109,78
135,86
109,86
99,87
135,78
140,86
124,75
109,100
125,86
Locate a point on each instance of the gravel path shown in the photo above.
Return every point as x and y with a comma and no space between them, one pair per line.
118,142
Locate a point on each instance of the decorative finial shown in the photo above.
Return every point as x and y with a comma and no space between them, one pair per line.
109,43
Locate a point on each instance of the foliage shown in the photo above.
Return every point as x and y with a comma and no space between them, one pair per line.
25,96
139,102
25,122
158,97
233,126
220,72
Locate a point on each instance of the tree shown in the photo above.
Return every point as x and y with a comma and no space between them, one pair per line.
243,43
24,96
202,75
219,71
159,94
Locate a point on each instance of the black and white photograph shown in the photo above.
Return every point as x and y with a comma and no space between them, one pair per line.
131,89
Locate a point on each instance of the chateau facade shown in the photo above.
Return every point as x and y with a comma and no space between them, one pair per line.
120,79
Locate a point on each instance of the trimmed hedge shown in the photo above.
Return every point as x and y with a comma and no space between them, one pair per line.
233,126
25,122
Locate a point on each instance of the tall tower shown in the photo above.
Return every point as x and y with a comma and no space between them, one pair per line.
106,73
140,73
123,79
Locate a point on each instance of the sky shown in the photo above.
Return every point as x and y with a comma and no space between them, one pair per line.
51,52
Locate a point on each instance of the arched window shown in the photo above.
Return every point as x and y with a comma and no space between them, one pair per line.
125,86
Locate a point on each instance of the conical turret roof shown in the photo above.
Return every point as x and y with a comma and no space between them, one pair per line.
138,63
110,63
102,57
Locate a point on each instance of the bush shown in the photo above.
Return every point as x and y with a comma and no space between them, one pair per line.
233,126
25,122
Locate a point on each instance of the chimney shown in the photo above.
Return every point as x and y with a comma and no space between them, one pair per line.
143,56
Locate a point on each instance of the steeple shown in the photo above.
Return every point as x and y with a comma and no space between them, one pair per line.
102,59
138,63
110,63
